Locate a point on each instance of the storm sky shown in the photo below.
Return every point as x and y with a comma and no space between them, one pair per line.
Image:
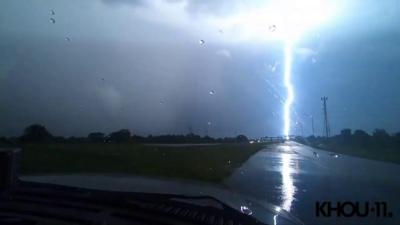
170,66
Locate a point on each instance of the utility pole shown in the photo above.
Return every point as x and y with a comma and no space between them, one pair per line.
312,125
326,124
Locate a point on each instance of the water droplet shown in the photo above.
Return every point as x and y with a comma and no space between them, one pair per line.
161,102
220,31
212,92
272,28
53,13
304,190
201,42
246,210
241,172
209,123
229,162
272,67
315,154
53,20
314,60
334,155
68,39
210,168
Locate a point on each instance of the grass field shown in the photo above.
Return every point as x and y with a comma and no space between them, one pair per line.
205,163
387,155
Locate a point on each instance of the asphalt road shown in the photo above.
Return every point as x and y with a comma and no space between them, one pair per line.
295,177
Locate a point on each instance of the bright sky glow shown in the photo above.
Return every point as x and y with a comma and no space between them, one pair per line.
291,19
285,21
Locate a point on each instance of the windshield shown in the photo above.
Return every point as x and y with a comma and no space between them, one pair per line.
292,103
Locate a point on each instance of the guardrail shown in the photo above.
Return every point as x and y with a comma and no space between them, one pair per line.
272,140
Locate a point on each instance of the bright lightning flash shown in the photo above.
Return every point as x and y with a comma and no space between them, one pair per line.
292,19
289,87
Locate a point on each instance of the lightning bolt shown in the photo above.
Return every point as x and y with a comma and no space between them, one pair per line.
289,87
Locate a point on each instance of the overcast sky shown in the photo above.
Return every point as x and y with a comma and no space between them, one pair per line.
167,66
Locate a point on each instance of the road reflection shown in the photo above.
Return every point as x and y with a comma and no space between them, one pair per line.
288,189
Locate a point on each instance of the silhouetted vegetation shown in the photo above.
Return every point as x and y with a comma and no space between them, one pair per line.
35,133
96,137
124,153
38,133
380,145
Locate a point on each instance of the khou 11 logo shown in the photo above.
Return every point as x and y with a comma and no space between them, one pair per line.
352,209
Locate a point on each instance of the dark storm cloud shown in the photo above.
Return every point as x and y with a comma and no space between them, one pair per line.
148,73
211,7
77,87
129,2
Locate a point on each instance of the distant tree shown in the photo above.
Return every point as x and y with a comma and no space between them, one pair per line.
344,137
361,134
312,139
242,139
208,139
5,142
96,137
58,139
345,132
361,138
120,136
396,137
36,133
381,138
380,133
138,139
193,138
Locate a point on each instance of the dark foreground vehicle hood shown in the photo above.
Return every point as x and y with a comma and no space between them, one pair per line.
199,194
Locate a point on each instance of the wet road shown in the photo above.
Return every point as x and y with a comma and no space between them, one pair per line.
295,177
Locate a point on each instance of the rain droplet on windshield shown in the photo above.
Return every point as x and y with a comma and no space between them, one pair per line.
209,123
315,154
212,92
53,20
229,161
53,13
201,42
245,210
272,67
272,28
220,31
161,102
334,155
68,39
314,60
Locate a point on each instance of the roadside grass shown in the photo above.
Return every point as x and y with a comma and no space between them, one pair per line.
380,154
204,163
